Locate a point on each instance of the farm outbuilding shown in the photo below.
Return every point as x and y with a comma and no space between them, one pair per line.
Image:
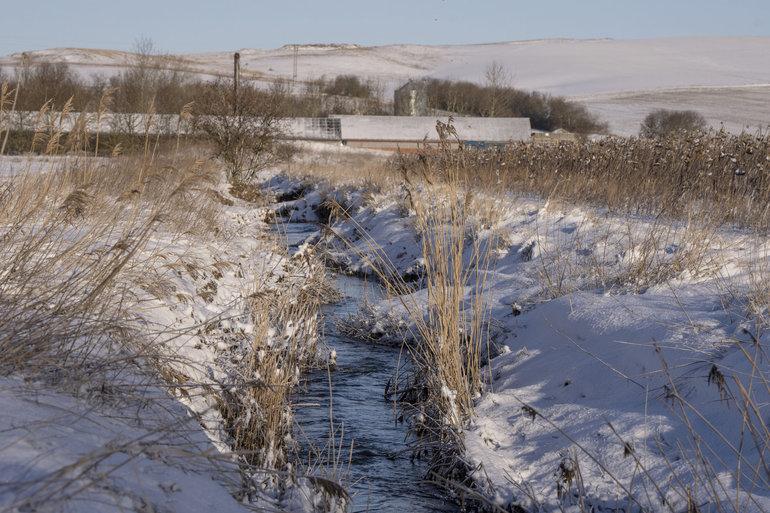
405,132
386,132
409,132
411,99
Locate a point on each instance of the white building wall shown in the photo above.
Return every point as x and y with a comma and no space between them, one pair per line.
345,128
409,128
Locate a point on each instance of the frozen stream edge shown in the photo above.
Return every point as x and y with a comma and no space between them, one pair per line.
382,476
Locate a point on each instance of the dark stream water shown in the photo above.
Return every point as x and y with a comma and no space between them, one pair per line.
381,475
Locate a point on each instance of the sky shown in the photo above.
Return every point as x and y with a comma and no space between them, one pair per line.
179,26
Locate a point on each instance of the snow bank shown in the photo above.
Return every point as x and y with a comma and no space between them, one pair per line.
635,373
65,454
145,432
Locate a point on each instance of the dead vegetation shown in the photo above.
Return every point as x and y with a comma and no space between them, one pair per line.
256,404
663,206
716,177
72,237
243,126
78,249
369,170
87,244
497,98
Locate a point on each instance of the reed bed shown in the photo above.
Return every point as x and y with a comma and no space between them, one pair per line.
72,238
87,243
78,248
259,417
716,176
370,170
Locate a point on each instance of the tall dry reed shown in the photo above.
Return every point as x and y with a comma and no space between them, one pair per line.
717,176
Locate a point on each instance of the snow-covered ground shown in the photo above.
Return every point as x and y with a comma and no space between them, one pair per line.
15,165
589,70
633,370
61,453
125,433
736,109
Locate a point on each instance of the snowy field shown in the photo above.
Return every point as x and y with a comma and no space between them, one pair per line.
629,353
619,79
737,108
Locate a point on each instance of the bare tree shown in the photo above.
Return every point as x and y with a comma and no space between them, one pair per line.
497,80
154,82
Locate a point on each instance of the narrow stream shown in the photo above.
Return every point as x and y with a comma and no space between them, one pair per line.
382,476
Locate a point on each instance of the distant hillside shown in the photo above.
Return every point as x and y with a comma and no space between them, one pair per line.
606,74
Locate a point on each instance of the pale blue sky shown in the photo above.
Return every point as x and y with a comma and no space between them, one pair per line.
193,25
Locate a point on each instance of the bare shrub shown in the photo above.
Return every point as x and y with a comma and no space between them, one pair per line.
244,129
497,80
53,83
662,123
154,82
350,85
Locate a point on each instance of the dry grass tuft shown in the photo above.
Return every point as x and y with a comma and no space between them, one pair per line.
369,169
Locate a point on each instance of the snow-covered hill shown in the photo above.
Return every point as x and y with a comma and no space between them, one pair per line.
606,74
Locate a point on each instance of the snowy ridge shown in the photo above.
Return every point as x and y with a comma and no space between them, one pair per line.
568,67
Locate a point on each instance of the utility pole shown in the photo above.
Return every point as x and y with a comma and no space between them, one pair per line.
236,79
294,74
